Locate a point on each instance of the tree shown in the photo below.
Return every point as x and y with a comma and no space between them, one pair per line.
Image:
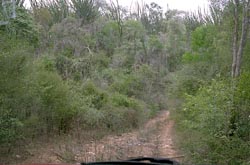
116,12
86,10
58,9
151,16
239,38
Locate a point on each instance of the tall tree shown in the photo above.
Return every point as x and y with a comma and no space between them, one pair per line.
116,14
239,38
86,10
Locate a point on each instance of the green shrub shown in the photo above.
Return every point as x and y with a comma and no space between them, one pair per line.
207,115
124,84
122,118
14,64
10,127
56,111
203,38
96,96
138,84
183,83
209,109
93,118
108,37
120,100
241,107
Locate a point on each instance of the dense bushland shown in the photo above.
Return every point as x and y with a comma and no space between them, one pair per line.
213,121
87,65
64,71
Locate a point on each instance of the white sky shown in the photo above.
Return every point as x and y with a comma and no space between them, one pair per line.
186,5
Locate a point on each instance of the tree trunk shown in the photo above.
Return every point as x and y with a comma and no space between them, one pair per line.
238,48
236,35
245,25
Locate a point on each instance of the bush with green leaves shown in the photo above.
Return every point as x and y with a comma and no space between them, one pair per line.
14,65
203,38
119,100
86,10
56,111
208,115
22,27
190,58
70,38
129,85
241,113
209,109
34,99
108,37
185,81
95,96
133,30
123,112
97,109
120,119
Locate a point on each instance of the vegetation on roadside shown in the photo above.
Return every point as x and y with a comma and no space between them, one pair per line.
213,121
81,65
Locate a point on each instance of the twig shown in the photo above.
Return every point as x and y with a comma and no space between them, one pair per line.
180,156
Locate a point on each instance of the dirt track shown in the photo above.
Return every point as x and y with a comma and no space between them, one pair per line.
155,139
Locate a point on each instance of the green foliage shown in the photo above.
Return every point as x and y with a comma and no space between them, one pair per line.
91,74
10,127
214,117
55,10
80,68
189,79
244,87
142,84
100,61
133,84
13,67
124,112
155,44
203,38
133,30
122,119
189,57
241,115
201,107
208,115
129,85
198,38
47,63
151,16
192,58
56,111
246,58
190,85
33,97
22,27
175,39
108,37
119,100
97,98
71,39
86,10
43,17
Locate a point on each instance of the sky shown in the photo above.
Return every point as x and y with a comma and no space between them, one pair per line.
186,5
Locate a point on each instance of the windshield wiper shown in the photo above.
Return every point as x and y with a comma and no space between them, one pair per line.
139,161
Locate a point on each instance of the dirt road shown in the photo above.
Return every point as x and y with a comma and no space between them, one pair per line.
155,139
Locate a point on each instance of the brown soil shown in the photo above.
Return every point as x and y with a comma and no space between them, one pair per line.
155,139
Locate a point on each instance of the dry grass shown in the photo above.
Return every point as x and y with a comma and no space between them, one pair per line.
154,139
